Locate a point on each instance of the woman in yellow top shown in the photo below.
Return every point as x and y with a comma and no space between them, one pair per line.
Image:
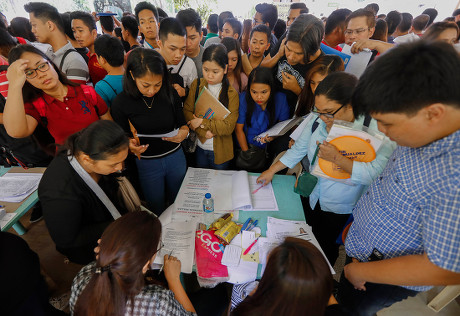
215,144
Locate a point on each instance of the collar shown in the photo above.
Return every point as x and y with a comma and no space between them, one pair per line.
441,146
62,50
71,93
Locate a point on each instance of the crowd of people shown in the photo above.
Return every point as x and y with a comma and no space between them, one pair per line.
92,105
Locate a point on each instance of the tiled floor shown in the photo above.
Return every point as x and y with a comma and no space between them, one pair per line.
61,274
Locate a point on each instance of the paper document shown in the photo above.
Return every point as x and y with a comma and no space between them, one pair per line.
358,62
298,131
169,134
5,218
264,199
280,128
15,187
208,107
178,237
246,271
232,256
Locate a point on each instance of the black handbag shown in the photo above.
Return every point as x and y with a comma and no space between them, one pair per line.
254,159
189,144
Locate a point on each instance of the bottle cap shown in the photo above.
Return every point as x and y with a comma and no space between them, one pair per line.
208,195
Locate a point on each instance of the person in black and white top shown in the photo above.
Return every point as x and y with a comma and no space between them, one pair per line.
172,48
115,283
153,107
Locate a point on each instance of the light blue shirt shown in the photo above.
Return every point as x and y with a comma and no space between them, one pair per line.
334,196
109,87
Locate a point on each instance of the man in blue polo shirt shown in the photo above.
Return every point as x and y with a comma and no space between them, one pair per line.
405,236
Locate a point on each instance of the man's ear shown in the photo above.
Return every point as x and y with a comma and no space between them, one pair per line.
371,31
50,25
94,34
434,113
101,60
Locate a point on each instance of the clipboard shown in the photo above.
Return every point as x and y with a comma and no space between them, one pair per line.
208,107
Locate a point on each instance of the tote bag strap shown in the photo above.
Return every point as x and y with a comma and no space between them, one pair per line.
94,187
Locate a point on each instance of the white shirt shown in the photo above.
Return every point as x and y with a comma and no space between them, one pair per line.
187,72
408,38
214,89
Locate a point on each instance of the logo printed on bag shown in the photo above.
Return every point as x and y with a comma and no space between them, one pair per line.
207,240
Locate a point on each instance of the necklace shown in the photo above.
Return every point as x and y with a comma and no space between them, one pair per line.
151,103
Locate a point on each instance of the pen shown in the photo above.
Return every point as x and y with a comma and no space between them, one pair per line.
250,246
245,225
255,191
161,269
253,225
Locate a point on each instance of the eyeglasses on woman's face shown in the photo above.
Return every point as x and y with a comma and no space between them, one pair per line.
327,115
32,72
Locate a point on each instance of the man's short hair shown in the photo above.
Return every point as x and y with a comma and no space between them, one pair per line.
236,26
111,49
212,23
171,26
144,5
406,22
269,14
130,24
107,23
393,83
280,28
374,7
67,25
299,5
420,22
161,14
336,18
370,17
433,13
189,17
45,12
86,17
262,28
308,31
222,17
393,19
456,12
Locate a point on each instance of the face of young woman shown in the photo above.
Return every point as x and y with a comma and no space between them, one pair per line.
315,80
213,72
43,78
232,60
111,164
149,84
324,105
449,36
260,93
294,53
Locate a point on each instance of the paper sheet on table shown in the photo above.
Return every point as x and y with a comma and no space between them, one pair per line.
279,229
247,238
264,199
166,217
280,128
178,237
232,256
169,134
15,187
265,246
5,218
358,62
246,271
298,131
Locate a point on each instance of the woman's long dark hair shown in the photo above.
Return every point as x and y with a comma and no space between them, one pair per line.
233,45
296,281
265,76
324,65
29,92
142,61
99,140
218,54
7,42
338,87
126,246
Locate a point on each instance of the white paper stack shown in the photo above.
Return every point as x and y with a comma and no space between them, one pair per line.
15,187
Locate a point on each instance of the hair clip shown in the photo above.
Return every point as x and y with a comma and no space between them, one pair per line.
101,270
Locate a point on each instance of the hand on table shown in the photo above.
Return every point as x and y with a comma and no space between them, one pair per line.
265,177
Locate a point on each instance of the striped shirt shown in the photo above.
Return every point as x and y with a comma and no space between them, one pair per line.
74,66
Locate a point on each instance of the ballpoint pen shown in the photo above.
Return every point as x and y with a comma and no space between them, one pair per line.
250,246
161,269
246,224
253,225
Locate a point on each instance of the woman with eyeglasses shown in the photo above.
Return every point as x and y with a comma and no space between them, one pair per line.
115,283
331,203
40,93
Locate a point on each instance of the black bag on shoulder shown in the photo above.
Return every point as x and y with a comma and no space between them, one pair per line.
189,144
253,160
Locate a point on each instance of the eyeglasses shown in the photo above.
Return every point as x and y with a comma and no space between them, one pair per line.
255,22
161,246
328,115
32,73
356,32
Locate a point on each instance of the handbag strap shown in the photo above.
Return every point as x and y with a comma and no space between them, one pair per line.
315,155
94,187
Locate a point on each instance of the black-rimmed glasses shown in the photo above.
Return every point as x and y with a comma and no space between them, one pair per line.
328,115
32,72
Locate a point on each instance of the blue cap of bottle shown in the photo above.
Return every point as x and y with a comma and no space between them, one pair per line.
207,195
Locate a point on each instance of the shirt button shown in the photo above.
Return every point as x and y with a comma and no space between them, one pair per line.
66,108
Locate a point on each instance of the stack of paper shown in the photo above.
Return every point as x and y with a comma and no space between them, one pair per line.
246,269
5,217
280,128
15,187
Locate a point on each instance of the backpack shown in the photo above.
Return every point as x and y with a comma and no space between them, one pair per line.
41,105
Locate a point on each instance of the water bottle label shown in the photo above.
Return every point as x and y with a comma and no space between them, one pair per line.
208,209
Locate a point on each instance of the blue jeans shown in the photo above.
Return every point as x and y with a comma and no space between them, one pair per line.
205,159
375,298
161,179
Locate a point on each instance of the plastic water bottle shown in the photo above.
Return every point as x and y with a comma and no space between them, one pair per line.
208,209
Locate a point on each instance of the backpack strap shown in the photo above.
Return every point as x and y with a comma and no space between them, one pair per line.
182,64
114,91
67,52
367,120
315,125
